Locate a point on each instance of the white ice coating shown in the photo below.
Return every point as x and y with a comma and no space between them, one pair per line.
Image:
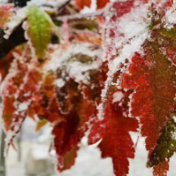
117,96
54,3
15,21
60,58
170,17
131,30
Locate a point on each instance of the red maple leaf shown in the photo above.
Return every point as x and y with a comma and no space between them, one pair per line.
73,126
152,75
114,132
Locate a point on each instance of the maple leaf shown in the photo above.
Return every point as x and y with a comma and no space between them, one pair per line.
44,103
82,3
8,93
5,14
161,169
77,105
114,131
22,103
76,112
152,75
17,92
166,145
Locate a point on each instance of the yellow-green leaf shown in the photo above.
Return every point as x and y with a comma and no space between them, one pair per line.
38,30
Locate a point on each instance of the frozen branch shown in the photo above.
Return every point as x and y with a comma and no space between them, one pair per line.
97,13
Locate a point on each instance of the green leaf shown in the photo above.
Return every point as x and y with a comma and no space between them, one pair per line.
39,29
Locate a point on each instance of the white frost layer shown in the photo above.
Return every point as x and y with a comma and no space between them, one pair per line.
64,58
117,96
15,21
130,30
170,17
54,3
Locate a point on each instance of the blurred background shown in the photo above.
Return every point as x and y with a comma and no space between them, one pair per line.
33,158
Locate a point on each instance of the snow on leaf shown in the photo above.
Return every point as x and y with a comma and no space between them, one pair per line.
9,91
114,132
5,15
38,29
18,89
44,103
15,21
70,131
23,100
76,60
124,31
152,75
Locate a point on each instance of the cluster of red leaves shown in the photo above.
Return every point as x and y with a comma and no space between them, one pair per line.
149,80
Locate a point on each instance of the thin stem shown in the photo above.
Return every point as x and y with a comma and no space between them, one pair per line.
62,6
79,16
97,13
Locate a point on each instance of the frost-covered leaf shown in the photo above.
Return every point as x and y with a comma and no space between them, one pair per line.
76,111
152,75
5,15
39,27
18,89
15,21
10,90
114,131
44,103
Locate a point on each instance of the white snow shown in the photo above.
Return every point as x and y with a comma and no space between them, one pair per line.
64,58
15,21
59,82
117,96
130,30
54,3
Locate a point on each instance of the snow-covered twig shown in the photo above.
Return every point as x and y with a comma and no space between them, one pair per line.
79,16
85,15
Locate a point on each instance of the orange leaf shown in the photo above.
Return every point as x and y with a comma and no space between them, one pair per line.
40,124
161,169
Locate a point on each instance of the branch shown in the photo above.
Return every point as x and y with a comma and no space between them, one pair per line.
62,6
97,13
79,16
